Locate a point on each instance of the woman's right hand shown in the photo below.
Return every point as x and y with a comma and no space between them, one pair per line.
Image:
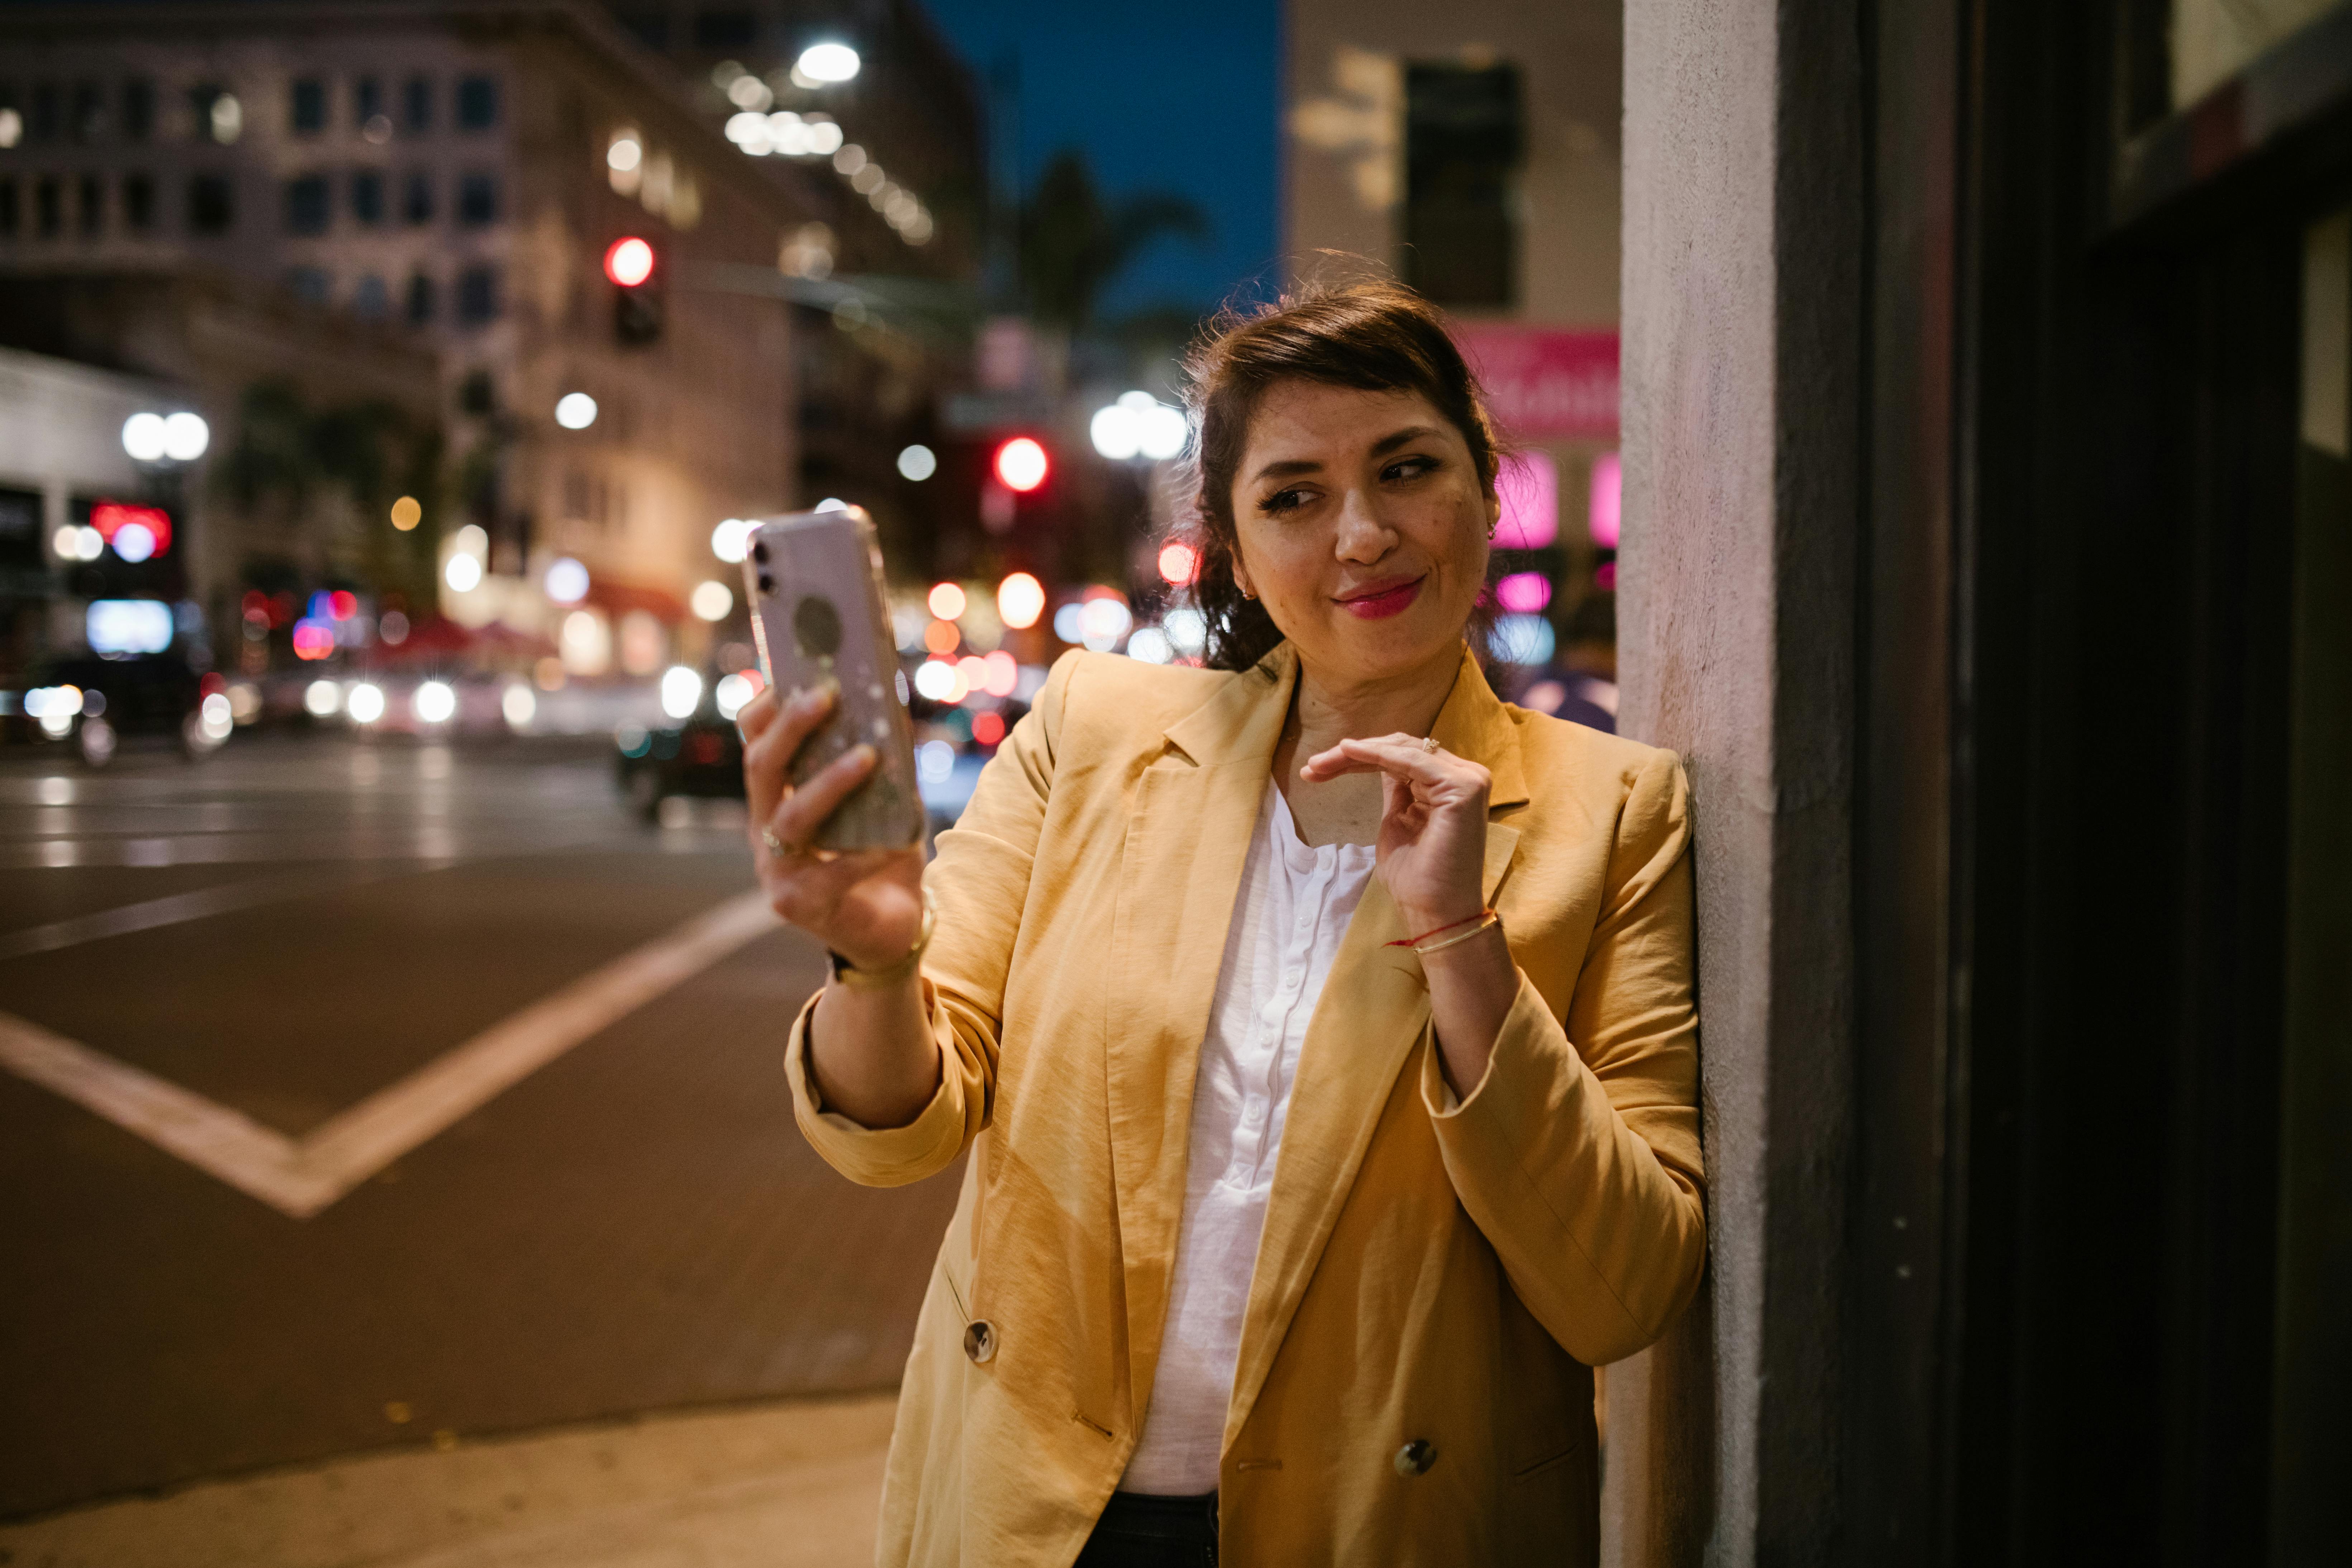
865,905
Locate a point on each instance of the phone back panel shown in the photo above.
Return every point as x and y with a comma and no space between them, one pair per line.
816,581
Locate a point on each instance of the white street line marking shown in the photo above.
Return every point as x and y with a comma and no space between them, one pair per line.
298,1177
149,914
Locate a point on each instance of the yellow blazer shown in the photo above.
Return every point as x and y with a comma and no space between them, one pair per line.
1431,1274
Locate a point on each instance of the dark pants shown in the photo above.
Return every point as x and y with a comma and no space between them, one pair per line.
1141,1532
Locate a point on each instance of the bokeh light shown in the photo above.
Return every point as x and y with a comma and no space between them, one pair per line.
1178,562
1020,600
947,600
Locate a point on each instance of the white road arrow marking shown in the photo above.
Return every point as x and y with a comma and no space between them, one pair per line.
300,1177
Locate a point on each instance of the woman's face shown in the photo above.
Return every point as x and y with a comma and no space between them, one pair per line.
1362,528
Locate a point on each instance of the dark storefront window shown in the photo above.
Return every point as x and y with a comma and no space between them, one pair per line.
367,197
1463,142
416,103
477,295
419,307
138,108
212,205
46,114
416,200
478,103
92,203
138,202
312,285
49,209
367,101
725,27
307,204
478,200
20,530
308,111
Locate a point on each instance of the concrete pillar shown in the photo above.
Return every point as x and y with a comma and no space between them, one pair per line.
1743,360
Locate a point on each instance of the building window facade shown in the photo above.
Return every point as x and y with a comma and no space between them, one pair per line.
138,202
367,101
417,105
87,121
478,103
90,205
49,209
1464,142
367,197
371,301
478,296
309,284
307,107
420,302
9,217
138,108
478,200
416,200
212,205
308,204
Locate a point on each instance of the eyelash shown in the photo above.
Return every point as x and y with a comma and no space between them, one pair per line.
1288,501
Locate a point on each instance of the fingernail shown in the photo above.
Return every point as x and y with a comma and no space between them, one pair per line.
864,754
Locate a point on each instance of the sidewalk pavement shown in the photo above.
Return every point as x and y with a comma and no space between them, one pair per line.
787,1484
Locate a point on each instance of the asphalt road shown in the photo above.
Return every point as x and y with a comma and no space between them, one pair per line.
521,1053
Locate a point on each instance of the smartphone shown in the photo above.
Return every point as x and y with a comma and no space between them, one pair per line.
814,579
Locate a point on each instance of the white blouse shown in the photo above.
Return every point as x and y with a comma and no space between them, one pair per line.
1293,908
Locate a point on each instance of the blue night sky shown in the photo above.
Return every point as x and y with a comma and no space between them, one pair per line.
1179,98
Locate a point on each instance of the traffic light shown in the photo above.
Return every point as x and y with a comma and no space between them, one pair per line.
635,272
1021,464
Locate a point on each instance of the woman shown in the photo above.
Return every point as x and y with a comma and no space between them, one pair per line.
1324,1135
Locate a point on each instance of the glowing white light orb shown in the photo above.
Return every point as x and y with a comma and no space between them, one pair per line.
517,706
947,600
142,437
624,154
730,540
934,761
1151,644
1115,433
566,581
918,463
322,698
1020,600
711,601
731,693
134,542
435,702
365,703
575,411
681,689
1187,629
936,678
464,574
828,63
185,437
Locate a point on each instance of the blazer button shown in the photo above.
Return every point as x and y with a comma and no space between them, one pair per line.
980,1343
1415,1457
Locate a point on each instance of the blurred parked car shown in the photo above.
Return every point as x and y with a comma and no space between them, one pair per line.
95,704
700,754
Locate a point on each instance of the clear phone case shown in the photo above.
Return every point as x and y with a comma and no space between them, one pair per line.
816,581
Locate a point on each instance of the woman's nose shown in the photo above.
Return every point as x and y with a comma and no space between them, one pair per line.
1362,538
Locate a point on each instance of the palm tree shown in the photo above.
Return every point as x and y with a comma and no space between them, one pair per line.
1073,243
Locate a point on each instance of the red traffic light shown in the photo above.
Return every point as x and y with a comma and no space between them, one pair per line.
629,262
1021,465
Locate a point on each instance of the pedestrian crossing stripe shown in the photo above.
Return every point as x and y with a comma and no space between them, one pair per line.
301,1177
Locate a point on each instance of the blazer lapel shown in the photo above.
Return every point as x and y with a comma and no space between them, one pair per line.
1373,1010
1188,839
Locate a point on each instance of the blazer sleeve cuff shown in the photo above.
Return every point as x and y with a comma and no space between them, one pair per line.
874,1157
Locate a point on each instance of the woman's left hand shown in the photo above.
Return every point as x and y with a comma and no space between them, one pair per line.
1432,842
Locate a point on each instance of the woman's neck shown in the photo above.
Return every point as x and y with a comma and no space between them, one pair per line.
1323,714
1327,712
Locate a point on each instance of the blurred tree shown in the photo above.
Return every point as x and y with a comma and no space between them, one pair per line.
1073,243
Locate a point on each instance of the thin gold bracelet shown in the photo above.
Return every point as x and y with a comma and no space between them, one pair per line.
883,978
1491,919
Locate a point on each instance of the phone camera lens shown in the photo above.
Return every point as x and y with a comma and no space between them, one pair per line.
759,553
767,584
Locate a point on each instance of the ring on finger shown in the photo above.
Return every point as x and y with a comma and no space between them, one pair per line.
1429,744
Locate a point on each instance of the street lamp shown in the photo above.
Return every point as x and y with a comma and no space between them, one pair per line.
825,65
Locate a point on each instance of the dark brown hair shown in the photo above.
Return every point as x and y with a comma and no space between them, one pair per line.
1380,337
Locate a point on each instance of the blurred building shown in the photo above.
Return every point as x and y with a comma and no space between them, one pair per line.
1474,151
457,173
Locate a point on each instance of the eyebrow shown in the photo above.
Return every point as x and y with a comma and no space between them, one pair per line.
1381,448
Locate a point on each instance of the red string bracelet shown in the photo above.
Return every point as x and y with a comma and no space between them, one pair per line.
1415,940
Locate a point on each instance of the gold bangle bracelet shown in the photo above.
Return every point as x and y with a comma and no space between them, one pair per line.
1492,919
883,978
